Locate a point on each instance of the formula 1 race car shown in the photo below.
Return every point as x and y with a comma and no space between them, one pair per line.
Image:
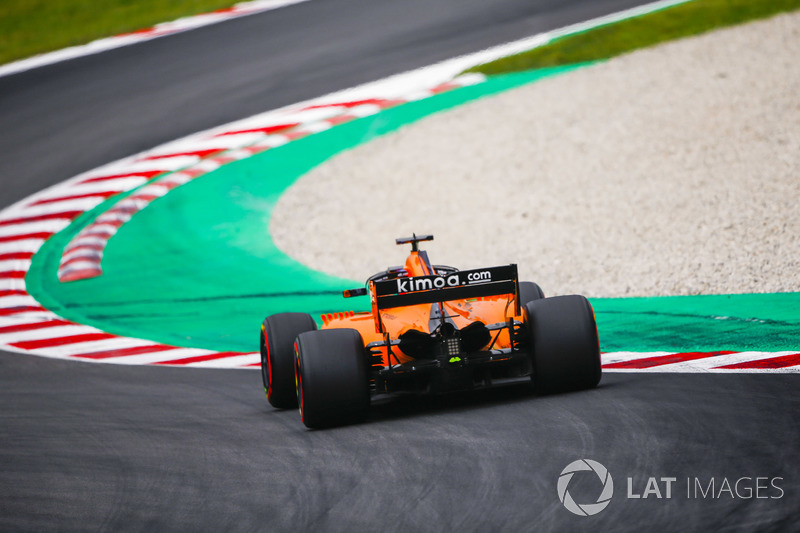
432,329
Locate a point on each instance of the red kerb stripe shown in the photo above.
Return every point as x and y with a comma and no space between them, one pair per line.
26,236
148,174
145,197
61,341
16,255
83,273
80,259
20,309
106,220
94,247
200,358
659,360
34,325
269,130
355,103
144,31
782,361
341,119
197,153
444,87
97,234
13,292
103,194
121,352
36,218
295,135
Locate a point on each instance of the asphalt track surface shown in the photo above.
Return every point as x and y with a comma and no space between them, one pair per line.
101,447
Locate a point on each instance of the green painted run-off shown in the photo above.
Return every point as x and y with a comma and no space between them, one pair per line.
197,268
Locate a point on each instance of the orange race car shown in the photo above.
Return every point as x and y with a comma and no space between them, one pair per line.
432,329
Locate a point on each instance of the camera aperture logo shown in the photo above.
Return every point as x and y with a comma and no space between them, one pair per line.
585,509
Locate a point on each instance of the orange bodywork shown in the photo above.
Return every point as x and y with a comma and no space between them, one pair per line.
398,320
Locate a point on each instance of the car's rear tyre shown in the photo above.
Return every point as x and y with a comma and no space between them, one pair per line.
332,382
563,344
278,333
528,292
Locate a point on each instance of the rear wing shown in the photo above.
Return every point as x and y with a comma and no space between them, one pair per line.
459,285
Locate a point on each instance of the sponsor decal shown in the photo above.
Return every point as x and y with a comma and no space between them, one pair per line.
455,279
427,283
405,291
